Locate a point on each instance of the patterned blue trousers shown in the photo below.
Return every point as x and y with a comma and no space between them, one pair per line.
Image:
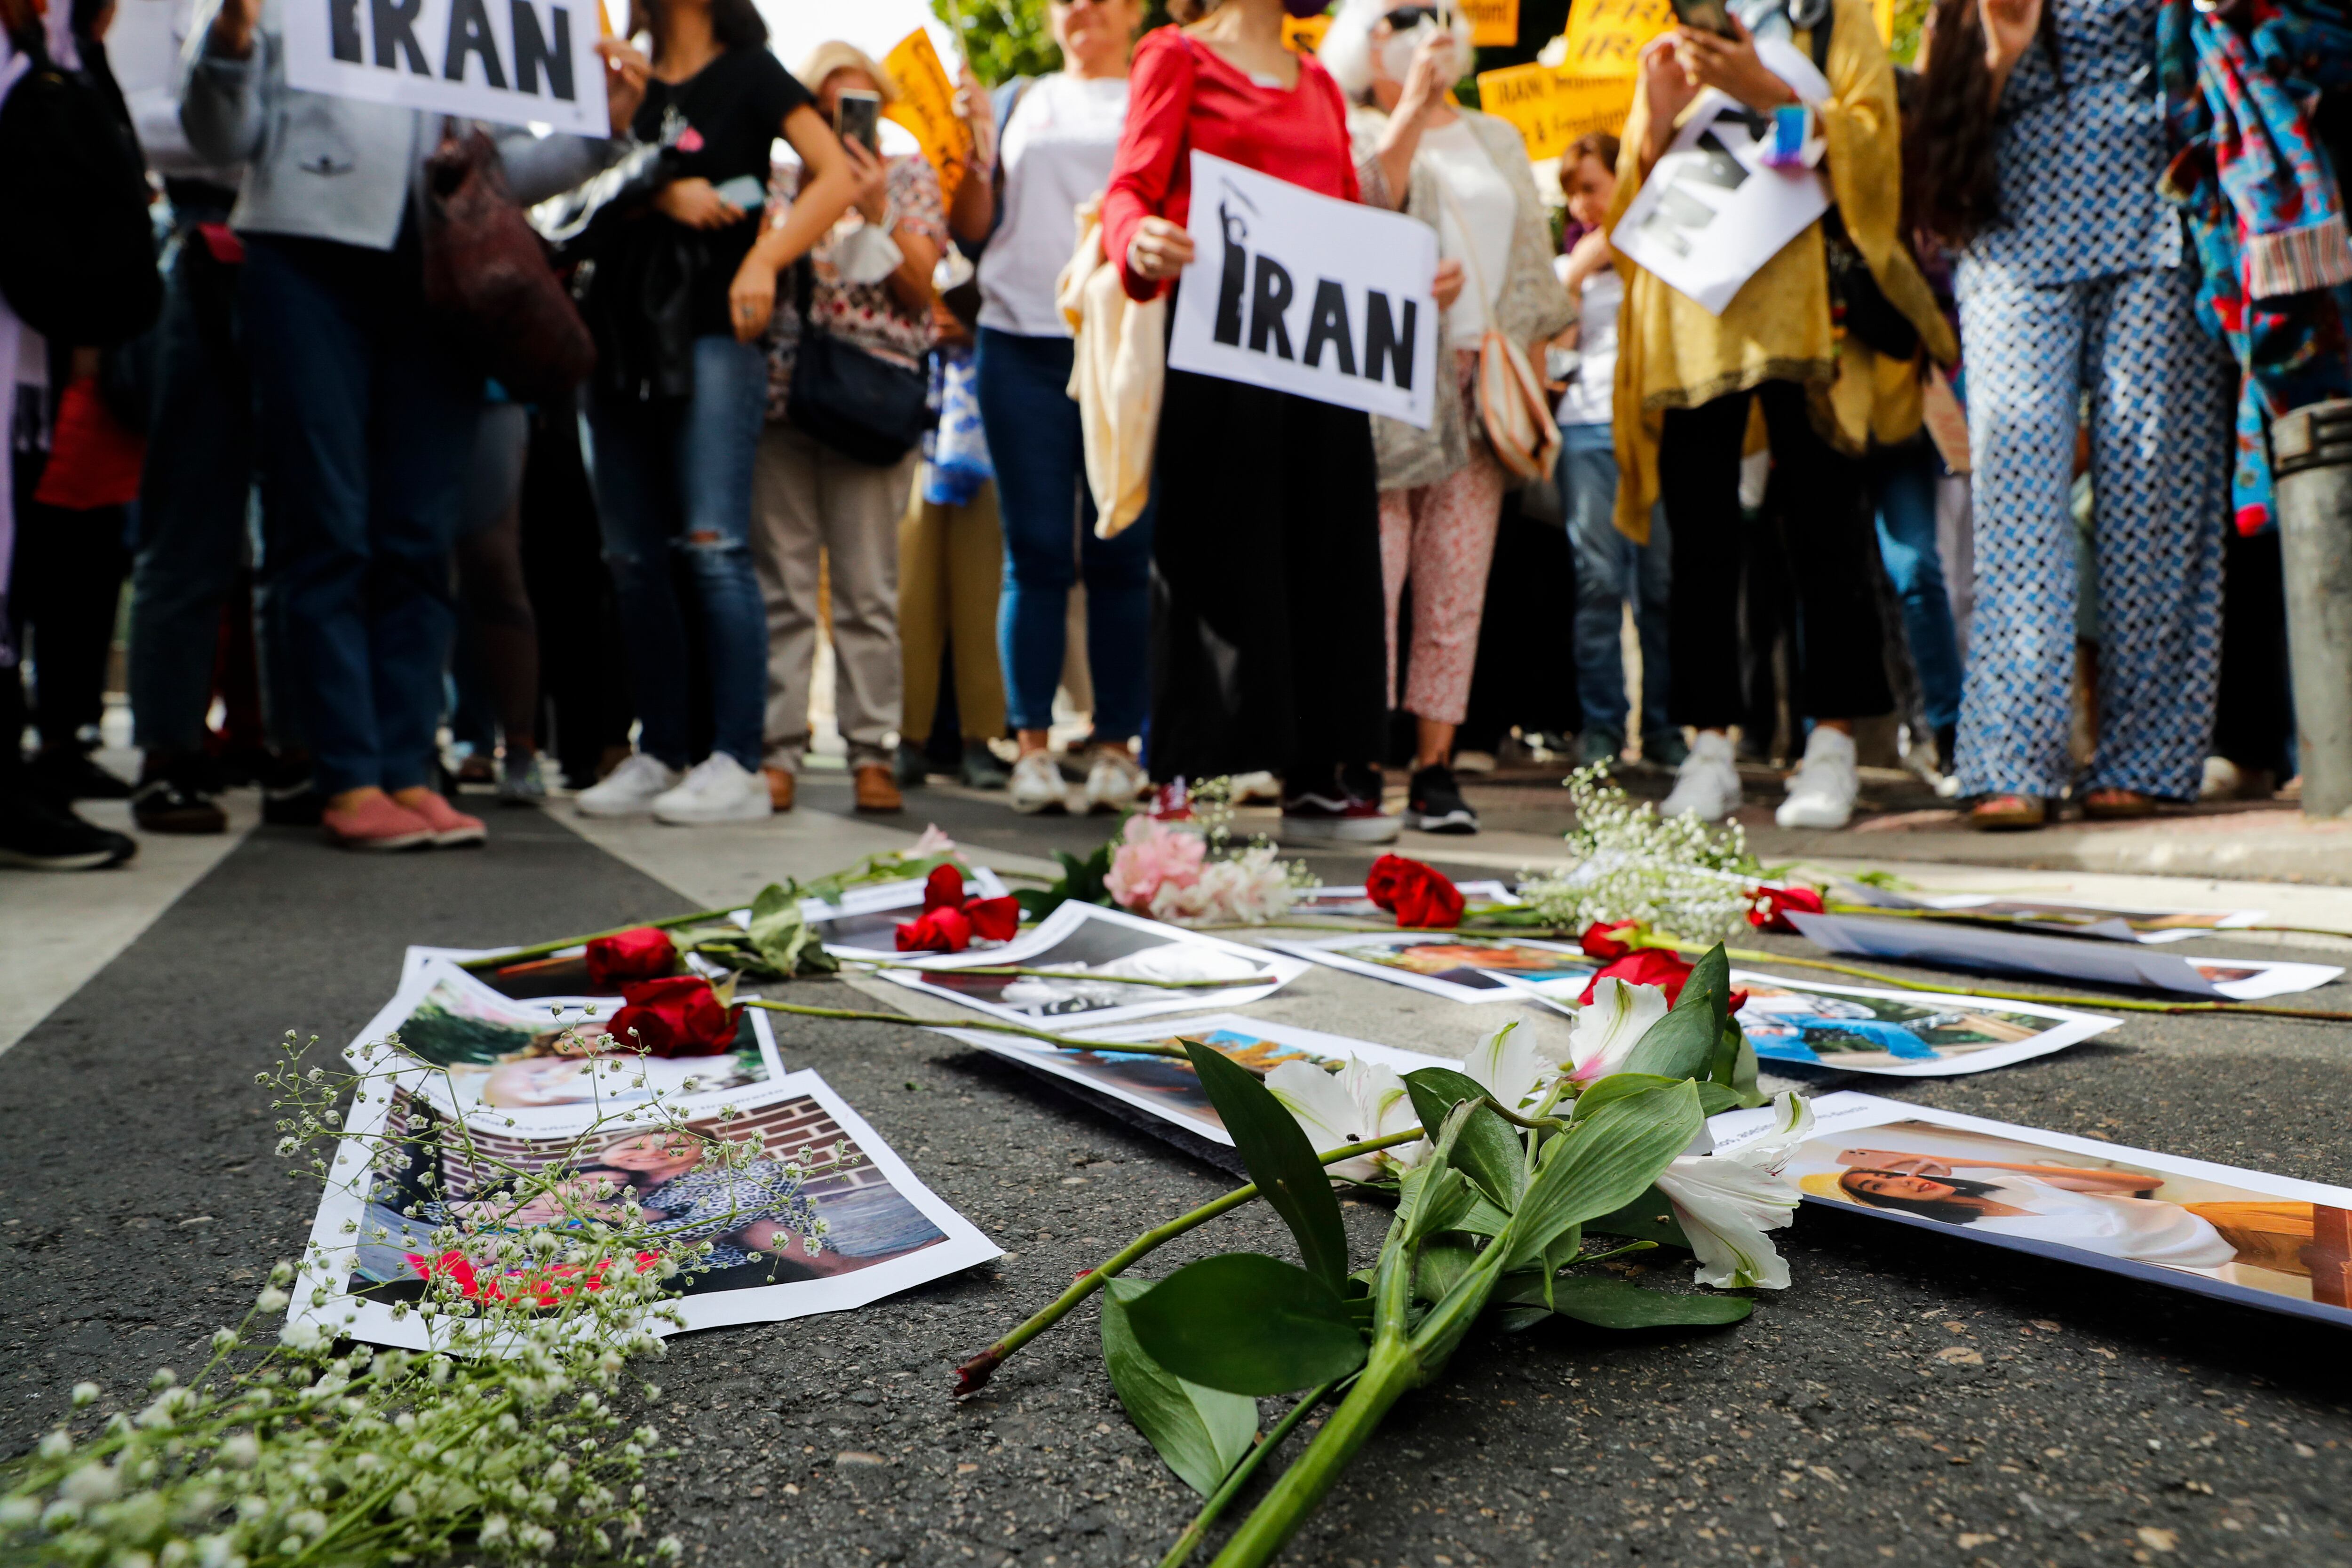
2160,443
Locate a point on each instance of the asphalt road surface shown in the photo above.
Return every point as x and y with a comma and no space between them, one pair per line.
1910,1399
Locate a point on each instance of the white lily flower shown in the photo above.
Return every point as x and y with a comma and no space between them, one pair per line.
1359,1102
1727,1202
1507,1065
1609,1026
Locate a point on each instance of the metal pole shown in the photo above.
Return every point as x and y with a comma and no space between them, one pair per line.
2312,458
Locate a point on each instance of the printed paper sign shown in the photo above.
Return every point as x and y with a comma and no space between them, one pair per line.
1998,951
1447,963
1713,212
2265,1241
514,62
1494,24
1304,35
927,108
1552,107
1605,37
1308,294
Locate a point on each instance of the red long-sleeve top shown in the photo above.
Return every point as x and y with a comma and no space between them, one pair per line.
1183,95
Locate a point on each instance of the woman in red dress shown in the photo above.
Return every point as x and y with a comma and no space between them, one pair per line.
1268,644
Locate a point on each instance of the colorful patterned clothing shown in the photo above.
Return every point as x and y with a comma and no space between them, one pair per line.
1442,535
865,315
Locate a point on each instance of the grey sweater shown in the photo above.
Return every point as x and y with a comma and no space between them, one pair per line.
335,168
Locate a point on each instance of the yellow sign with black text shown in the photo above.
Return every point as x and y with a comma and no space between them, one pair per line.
1304,35
1552,107
1494,24
927,108
1605,37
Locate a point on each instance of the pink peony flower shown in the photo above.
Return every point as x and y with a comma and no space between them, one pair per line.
1154,856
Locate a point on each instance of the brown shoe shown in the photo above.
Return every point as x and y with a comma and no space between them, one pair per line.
876,790
2118,805
781,784
2009,814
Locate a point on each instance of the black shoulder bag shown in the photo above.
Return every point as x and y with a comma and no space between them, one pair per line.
1856,301
865,407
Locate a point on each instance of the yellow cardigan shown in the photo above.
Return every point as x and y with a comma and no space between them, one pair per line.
1671,353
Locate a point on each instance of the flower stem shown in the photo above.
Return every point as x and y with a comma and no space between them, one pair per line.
1394,1367
543,949
1067,1042
973,1374
1186,1544
1069,974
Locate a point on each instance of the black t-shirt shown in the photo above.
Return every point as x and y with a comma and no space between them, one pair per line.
734,109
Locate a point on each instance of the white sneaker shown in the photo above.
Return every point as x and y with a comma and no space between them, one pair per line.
2222,780
1473,762
719,789
1255,787
1706,785
630,791
1037,785
1821,790
1114,781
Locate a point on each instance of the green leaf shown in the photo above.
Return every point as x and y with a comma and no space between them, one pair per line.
1247,1323
1683,1043
1620,1304
1203,1433
1081,882
1439,1266
1649,1218
783,938
1714,1099
1486,1150
1734,1067
1434,1203
1600,1165
1618,1086
1279,1159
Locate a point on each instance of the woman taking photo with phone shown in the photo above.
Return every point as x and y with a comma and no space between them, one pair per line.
2039,155
1465,175
1267,640
1687,377
673,417
868,289
1060,133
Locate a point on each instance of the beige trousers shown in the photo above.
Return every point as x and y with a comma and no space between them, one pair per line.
950,572
808,497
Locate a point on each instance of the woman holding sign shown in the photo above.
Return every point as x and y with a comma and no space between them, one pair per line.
672,428
1266,639
1750,322
1464,174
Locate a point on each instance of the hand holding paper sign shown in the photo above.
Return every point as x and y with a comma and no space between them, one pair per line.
1730,66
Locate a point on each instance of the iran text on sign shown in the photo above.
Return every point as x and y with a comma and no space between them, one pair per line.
1552,107
1306,294
1494,24
1605,37
510,62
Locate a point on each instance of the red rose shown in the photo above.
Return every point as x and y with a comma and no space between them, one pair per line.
645,954
1420,896
1771,909
940,931
997,919
679,1016
943,888
1733,1004
1602,941
1645,966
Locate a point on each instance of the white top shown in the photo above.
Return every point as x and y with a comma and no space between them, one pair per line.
2142,1230
1058,145
1483,199
1586,401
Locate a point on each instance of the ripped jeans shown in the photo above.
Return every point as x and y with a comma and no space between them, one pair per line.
673,480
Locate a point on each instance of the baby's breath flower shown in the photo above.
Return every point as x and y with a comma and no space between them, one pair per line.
84,1394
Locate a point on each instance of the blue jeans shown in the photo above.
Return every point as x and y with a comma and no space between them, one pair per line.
1610,570
367,422
1903,489
1048,514
676,477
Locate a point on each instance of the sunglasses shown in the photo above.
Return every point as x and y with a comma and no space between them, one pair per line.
1405,18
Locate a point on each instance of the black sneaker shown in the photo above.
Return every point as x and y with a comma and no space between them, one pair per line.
980,768
36,835
1433,803
911,768
295,803
169,803
67,774
1347,810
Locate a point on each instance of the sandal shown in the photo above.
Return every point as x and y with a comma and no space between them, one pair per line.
2008,813
2118,805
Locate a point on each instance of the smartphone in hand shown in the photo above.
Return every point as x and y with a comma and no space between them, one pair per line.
857,115
1704,16
745,192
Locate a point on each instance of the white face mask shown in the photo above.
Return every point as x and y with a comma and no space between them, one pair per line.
1396,55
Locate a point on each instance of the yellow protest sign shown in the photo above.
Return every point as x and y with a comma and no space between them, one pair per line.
1552,107
1883,11
1494,24
927,108
1605,37
1304,35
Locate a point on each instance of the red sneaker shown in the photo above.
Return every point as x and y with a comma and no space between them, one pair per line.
379,822
452,829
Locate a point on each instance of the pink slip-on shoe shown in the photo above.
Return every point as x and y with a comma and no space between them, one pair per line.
379,822
451,828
